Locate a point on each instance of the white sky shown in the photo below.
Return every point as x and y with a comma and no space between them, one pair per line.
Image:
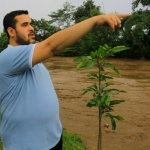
41,8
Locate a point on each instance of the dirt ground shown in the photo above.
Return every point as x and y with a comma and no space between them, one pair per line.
131,134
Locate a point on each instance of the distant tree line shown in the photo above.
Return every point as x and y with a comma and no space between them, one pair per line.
135,31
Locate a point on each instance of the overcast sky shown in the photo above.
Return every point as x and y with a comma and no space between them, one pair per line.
41,8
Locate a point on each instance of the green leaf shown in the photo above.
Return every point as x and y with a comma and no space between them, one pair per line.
107,102
113,68
93,76
91,63
101,68
91,103
88,89
113,122
104,77
95,86
106,84
102,51
103,86
114,102
119,117
82,58
122,91
105,99
93,54
105,46
91,88
108,109
94,102
119,49
81,65
114,91
112,118
98,99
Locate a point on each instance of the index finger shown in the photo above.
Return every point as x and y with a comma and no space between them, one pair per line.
123,15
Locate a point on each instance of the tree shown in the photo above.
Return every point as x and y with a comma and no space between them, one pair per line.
99,35
3,41
43,29
101,89
137,32
63,18
88,42
87,10
136,3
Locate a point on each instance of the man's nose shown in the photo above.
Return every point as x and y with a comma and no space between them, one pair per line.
31,27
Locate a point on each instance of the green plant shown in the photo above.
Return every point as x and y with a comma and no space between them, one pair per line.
1,145
101,88
72,141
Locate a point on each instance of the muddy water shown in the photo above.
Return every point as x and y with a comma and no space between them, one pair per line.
131,134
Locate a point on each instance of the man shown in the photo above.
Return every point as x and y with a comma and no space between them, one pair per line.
29,104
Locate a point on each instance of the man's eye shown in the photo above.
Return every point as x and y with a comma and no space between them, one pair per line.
24,24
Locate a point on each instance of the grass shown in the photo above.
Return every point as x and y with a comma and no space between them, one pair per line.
1,145
70,142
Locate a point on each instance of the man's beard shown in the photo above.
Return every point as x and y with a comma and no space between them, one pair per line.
20,40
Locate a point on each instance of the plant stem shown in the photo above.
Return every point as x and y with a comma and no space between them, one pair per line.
100,114
100,131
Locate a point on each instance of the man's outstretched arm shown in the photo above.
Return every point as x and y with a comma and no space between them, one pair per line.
64,38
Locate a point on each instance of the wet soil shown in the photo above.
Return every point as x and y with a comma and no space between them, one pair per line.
133,133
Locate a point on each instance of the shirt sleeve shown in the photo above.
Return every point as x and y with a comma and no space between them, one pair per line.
15,60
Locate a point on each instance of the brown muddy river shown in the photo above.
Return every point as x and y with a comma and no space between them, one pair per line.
133,133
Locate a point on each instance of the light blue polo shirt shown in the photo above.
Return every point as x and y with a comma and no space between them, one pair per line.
28,101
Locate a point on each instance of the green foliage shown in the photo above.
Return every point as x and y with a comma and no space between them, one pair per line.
99,35
70,51
3,41
1,145
72,141
63,17
101,88
85,11
89,42
112,118
43,29
136,33
136,3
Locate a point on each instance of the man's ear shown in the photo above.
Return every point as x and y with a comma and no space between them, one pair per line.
11,31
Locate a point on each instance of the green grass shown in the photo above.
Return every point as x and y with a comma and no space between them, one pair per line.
1,145
70,142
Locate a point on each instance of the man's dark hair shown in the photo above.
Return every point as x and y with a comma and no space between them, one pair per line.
10,21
